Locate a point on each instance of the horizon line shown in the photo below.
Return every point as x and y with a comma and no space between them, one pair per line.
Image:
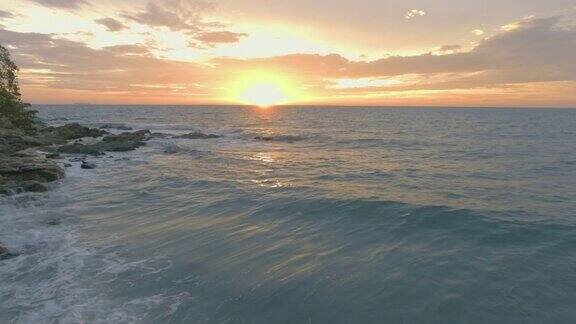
304,106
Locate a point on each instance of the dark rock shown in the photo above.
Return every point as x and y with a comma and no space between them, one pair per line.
53,156
80,149
5,254
77,159
88,165
112,143
25,171
115,126
53,222
120,146
198,135
34,186
264,138
74,131
30,168
67,165
138,136
160,135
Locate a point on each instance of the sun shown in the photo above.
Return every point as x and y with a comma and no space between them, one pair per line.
264,89
264,95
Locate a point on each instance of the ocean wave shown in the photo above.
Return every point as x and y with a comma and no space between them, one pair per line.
280,138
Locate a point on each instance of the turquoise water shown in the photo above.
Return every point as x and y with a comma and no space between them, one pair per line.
350,215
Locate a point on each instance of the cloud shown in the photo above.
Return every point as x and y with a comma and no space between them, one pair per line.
537,52
175,15
111,24
50,62
185,16
6,14
478,32
220,37
414,13
449,49
61,4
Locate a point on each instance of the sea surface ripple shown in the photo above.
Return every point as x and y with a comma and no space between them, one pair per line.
304,215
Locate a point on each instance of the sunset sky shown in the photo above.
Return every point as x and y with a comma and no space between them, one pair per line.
361,52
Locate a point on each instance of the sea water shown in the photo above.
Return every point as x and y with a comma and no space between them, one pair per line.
342,215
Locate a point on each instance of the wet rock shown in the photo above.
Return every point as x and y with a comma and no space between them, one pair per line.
67,165
5,254
264,138
53,156
73,131
138,136
120,146
77,159
198,135
123,142
161,135
13,140
25,172
77,148
34,186
53,222
115,126
88,165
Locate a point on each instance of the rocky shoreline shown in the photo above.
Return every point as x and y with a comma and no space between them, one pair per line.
29,162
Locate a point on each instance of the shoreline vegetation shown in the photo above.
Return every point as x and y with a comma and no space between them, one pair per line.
32,154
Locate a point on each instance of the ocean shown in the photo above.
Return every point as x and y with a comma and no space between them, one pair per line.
343,215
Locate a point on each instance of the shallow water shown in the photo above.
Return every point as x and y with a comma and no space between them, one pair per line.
349,215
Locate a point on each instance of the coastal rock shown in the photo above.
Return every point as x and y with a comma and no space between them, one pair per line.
124,142
34,186
138,136
115,126
5,254
53,156
88,165
24,172
71,132
78,148
112,143
160,135
14,140
198,135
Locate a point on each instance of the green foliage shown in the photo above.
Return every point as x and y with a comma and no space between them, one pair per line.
11,106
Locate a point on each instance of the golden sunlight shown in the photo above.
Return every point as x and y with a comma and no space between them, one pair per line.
263,95
264,89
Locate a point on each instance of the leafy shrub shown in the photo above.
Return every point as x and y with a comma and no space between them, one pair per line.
11,105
